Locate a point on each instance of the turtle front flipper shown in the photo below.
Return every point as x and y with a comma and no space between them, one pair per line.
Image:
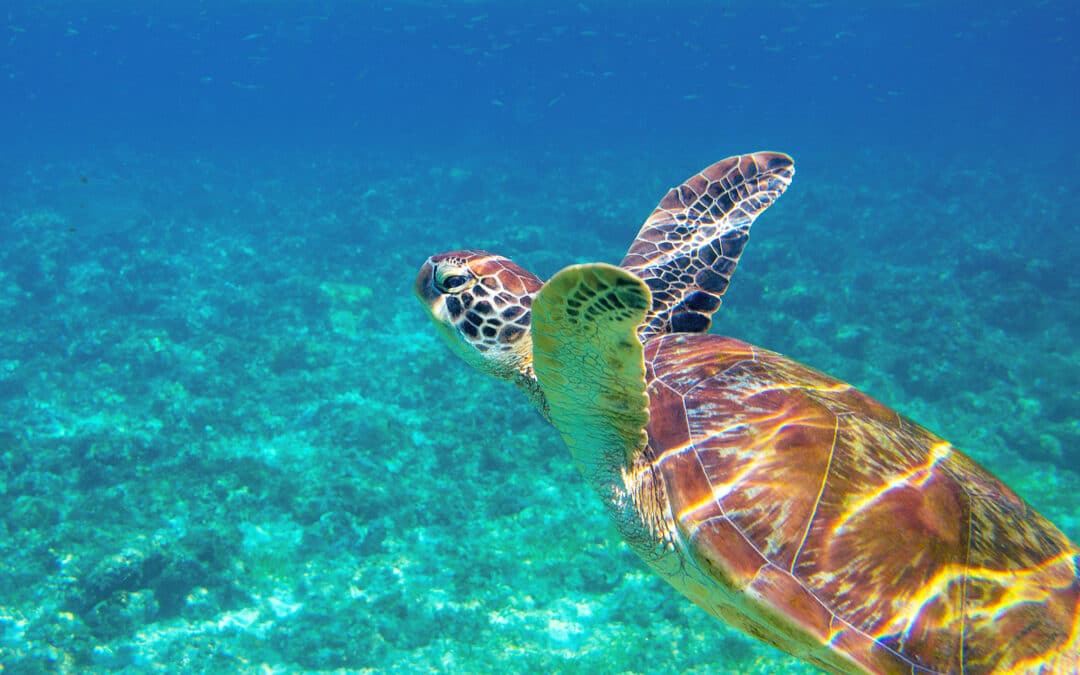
589,362
688,248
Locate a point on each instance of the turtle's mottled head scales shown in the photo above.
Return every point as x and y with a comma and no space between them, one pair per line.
481,304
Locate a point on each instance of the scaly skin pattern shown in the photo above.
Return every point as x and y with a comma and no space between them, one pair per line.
689,246
481,303
839,531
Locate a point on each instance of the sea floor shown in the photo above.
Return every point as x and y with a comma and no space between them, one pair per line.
231,441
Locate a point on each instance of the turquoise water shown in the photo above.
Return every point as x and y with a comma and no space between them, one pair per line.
232,442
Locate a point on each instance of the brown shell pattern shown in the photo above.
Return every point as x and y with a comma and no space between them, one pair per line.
863,530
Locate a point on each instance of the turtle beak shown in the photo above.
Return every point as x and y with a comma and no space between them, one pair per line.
424,287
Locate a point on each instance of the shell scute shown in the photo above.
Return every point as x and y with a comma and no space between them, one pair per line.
691,368
720,548
791,603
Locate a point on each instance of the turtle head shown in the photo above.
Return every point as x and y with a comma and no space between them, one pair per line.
481,305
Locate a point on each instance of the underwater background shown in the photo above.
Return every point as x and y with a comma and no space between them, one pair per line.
230,441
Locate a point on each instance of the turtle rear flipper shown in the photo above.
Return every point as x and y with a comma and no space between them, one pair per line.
688,248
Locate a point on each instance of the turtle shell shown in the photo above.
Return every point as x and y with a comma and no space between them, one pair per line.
843,533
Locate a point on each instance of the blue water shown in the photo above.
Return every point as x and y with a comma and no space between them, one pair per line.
231,441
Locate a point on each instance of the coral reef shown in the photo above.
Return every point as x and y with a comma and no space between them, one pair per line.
231,441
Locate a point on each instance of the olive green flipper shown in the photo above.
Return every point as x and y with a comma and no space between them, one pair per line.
589,362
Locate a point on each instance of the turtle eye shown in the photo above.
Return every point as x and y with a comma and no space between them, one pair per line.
454,280
450,280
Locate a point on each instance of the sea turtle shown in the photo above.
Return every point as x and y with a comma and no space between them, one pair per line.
782,501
